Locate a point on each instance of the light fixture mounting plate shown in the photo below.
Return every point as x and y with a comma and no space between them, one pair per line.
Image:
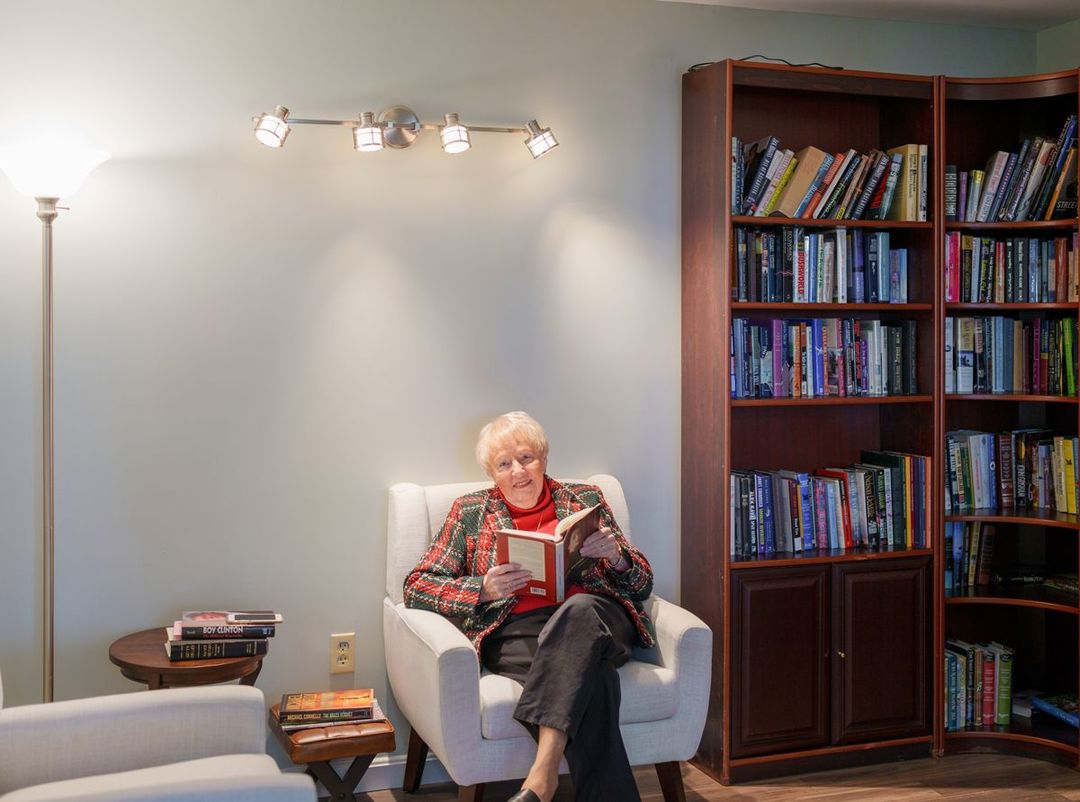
402,126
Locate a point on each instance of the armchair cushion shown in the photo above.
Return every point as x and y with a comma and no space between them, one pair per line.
649,693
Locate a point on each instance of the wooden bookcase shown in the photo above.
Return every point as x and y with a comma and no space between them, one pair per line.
979,117
798,679
831,658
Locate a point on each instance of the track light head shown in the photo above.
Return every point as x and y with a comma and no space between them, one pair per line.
454,135
540,140
368,135
272,129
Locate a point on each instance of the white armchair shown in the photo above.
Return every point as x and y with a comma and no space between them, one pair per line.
180,745
464,714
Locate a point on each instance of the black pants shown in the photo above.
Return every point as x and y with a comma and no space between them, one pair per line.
566,658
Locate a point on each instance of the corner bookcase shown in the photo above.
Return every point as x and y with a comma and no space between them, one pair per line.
979,117
830,657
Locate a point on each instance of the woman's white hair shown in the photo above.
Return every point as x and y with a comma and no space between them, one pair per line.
519,426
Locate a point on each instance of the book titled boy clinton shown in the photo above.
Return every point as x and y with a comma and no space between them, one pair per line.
554,560
354,704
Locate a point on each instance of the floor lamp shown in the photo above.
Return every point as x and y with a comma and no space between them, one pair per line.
48,173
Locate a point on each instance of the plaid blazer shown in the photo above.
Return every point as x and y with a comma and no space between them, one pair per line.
448,578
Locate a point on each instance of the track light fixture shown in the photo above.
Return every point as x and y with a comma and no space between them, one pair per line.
397,127
454,135
272,128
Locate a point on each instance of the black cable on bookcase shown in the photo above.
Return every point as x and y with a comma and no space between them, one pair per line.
704,64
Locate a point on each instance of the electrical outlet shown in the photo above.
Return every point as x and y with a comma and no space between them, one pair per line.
342,652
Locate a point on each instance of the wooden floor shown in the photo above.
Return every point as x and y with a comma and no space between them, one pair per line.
957,778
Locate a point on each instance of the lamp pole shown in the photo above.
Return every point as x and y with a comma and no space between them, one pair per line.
47,170
47,213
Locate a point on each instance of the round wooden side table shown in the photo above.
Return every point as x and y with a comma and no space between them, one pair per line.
141,657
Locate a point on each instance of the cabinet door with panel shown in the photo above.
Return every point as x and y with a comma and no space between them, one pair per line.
881,638
779,680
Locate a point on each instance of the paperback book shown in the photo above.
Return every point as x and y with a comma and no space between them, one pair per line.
323,707
554,560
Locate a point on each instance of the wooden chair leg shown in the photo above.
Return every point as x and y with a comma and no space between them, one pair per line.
470,793
414,762
671,783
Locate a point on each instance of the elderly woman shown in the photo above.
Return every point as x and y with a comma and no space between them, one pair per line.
565,655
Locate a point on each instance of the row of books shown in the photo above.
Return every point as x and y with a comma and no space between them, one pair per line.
299,711
797,265
822,357
1010,270
215,634
997,354
978,684
1034,184
1018,469
969,554
880,502
768,180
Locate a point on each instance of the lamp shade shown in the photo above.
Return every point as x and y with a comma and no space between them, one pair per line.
49,170
454,135
540,140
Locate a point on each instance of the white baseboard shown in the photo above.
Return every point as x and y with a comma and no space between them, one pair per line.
388,771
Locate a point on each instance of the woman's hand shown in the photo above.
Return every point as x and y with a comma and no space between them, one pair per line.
602,545
502,581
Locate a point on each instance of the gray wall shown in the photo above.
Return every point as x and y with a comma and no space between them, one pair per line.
252,345
1056,48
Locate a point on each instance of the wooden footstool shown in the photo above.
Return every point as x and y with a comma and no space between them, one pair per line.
315,748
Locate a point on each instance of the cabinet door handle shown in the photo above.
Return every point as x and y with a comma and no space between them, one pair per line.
841,654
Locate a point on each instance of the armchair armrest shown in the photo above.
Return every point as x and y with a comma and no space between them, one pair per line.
685,646
279,787
105,734
435,676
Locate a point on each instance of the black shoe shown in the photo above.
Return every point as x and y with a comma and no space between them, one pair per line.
524,795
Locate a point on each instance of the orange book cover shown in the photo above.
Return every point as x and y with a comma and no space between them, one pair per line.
554,560
357,703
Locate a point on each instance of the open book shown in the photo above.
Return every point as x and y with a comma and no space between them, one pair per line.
554,560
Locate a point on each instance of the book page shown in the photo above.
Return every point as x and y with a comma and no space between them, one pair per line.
529,554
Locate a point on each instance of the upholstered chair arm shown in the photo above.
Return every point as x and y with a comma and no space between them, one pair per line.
59,741
684,643
435,676
124,787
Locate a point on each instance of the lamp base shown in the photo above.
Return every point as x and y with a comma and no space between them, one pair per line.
402,126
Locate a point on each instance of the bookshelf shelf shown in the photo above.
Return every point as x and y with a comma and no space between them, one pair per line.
1006,397
1042,731
981,122
1023,596
1009,307
1027,225
883,225
825,556
803,309
1034,517
831,401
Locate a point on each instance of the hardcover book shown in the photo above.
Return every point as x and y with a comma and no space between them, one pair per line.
356,704
225,617
554,560
1059,705
203,631
178,649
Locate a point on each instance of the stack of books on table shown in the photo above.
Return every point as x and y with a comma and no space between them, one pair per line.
212,634
334,711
